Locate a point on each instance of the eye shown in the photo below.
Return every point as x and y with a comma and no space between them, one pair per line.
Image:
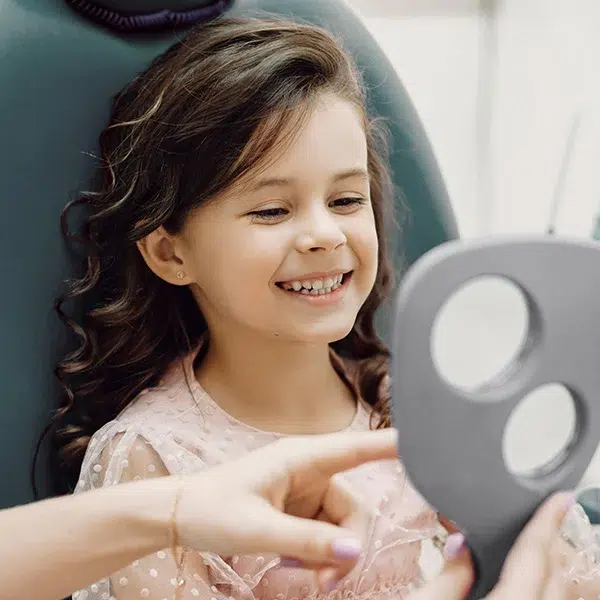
347,203
269,214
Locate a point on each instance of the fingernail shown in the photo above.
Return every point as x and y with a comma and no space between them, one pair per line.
454,544
347,549
290,563
570,500
331,585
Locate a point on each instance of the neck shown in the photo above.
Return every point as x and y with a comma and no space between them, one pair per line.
276,385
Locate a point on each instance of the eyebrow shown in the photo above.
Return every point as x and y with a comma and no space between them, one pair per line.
283,181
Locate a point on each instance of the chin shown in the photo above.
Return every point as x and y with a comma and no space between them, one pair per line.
321,333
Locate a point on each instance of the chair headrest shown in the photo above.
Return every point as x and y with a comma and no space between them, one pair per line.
148,15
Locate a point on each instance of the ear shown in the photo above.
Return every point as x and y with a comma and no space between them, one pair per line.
159,250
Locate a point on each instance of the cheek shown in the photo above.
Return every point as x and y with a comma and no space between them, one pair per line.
366,244
238,262
367,249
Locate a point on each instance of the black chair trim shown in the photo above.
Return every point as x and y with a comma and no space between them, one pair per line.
164,20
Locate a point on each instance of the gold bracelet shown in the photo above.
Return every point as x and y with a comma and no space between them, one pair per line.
175,539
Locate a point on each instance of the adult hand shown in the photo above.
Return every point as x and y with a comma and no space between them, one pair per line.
528,571
285,499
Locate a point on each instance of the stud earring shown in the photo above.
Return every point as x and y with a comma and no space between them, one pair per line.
180,274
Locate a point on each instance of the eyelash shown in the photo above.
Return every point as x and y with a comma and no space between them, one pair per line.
274,213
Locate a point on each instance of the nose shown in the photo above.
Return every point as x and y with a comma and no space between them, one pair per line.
321,232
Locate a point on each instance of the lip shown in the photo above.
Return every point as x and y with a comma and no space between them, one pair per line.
316,275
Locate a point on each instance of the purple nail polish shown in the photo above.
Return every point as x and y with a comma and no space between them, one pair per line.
290,563
570,500
454,544
347,549
331,585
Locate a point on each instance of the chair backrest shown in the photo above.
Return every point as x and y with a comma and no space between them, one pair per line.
58,74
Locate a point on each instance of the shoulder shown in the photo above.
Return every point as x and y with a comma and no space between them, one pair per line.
174,428
156,414
122,452
153,436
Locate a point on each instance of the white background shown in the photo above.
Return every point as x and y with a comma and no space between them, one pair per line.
500,85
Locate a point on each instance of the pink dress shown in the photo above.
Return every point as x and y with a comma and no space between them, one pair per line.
178,428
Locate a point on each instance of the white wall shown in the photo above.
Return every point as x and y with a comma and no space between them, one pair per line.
436,57
497,95
548,70
536,63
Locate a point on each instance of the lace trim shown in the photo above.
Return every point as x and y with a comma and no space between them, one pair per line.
584,538
385,587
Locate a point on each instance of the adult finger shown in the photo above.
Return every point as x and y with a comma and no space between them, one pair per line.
334,453
309,541
528,566
453,583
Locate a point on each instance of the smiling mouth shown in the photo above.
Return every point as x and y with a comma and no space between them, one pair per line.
316,287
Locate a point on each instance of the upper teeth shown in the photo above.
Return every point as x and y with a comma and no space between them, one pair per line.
315,285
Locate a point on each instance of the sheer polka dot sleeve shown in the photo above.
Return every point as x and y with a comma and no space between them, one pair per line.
190,575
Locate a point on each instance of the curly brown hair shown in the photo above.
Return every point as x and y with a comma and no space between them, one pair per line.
221,98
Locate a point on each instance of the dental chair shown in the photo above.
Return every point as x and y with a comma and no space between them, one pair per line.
61,62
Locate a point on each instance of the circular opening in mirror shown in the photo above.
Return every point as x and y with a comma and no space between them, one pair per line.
479,332
540,430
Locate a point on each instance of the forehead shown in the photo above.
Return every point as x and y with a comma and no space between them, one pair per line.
331,139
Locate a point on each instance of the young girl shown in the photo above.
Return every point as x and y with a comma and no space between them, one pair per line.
235,263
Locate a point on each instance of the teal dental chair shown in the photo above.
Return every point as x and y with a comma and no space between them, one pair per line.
61,62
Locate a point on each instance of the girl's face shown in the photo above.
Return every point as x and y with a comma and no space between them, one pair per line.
291,252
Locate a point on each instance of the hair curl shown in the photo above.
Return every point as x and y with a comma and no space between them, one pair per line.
196,120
